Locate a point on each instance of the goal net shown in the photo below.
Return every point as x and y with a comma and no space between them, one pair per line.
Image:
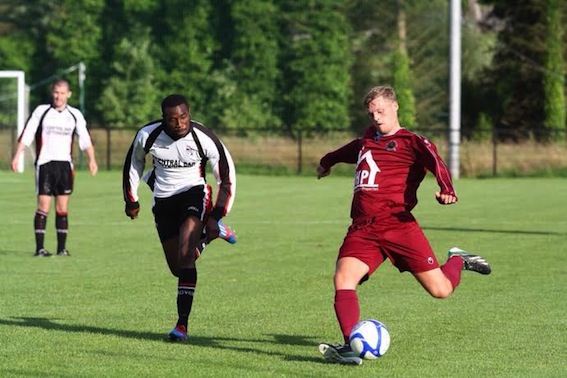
14,109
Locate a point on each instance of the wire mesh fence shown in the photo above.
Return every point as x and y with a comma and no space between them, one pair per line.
493,153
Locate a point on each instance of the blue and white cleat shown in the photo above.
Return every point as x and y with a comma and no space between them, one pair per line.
226,233
178,334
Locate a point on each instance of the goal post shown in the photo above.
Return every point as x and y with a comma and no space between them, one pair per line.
21,106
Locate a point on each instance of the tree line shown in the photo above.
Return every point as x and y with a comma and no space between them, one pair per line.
287,64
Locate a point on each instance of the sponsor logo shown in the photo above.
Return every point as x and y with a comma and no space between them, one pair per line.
167,163
58,130
366,171
430,260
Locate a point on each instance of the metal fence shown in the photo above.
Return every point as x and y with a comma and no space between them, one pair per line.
267,151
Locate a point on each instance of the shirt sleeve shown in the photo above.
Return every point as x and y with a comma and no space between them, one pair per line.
85,140
345,154
225,174
28,135
428,156
133,169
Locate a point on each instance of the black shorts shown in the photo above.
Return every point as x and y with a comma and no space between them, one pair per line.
170,213
55,178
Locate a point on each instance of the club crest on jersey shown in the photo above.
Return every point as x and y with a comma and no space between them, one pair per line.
392,146
193,153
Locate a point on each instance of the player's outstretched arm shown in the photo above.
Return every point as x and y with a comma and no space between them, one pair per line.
345,154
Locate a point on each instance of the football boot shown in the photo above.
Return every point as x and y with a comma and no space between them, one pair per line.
471,262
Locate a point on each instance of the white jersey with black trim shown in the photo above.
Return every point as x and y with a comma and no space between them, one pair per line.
53,131
179,165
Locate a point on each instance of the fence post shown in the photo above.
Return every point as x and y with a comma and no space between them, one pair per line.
494,151
108,146
299,152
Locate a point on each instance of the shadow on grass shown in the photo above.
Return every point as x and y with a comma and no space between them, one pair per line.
519,232
14,252
210,342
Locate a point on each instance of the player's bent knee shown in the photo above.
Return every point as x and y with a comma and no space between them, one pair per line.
441,292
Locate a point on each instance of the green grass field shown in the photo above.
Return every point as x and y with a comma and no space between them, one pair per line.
263,304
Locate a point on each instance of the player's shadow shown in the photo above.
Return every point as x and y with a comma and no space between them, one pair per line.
13,252
520,232
228,343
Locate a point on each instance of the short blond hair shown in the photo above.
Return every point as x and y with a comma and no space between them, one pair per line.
379,91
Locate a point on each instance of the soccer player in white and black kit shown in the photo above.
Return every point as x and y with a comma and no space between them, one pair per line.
52,127
183,206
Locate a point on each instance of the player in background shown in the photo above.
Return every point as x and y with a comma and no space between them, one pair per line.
185,216
390,164
52,127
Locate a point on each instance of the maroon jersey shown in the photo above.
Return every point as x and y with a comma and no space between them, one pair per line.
389,170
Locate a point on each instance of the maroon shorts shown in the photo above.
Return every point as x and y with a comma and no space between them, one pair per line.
397,237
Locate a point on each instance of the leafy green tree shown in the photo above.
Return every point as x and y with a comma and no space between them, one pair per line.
129,97
19,33
15,54
516,73
404,93
376,48
16,50
316,64
73,31
252,53
124,35
371,46
65,32
554,76
185,48
402,73
428,49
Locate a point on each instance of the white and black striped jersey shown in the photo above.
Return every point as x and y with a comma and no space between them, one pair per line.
179,165
52,130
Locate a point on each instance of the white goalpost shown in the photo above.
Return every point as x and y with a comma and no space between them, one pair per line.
21,108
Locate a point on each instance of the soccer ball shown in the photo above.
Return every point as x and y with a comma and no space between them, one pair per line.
369,339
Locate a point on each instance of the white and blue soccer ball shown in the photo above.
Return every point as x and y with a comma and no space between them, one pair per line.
370,339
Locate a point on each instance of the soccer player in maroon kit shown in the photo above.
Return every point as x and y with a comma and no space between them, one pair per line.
390,163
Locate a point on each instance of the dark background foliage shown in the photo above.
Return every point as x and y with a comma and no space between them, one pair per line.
285,65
